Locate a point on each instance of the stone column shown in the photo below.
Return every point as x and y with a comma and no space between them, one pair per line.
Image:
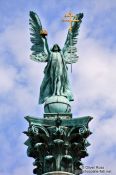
57,143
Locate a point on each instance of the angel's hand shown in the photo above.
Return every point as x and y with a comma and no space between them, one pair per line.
43,37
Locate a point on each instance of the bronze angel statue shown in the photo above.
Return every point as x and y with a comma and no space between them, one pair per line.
55,81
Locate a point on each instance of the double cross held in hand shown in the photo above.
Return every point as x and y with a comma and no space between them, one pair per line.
69,17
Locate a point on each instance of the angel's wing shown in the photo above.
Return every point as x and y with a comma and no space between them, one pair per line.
70,49
40,47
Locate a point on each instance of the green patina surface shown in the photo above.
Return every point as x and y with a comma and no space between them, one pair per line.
57,142
82,121
56,81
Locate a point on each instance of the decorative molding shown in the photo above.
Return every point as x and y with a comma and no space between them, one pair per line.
57,144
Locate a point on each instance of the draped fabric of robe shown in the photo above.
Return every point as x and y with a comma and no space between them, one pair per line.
54,72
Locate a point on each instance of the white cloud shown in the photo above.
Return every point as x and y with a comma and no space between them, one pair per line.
93,81
95,74
7,81
20,77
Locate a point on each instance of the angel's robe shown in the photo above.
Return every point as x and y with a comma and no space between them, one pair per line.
55,81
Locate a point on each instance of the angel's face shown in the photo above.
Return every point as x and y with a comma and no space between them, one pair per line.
56,48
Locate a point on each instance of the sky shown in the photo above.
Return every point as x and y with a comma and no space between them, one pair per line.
93,79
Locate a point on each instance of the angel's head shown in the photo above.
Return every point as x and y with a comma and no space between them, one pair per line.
56,48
